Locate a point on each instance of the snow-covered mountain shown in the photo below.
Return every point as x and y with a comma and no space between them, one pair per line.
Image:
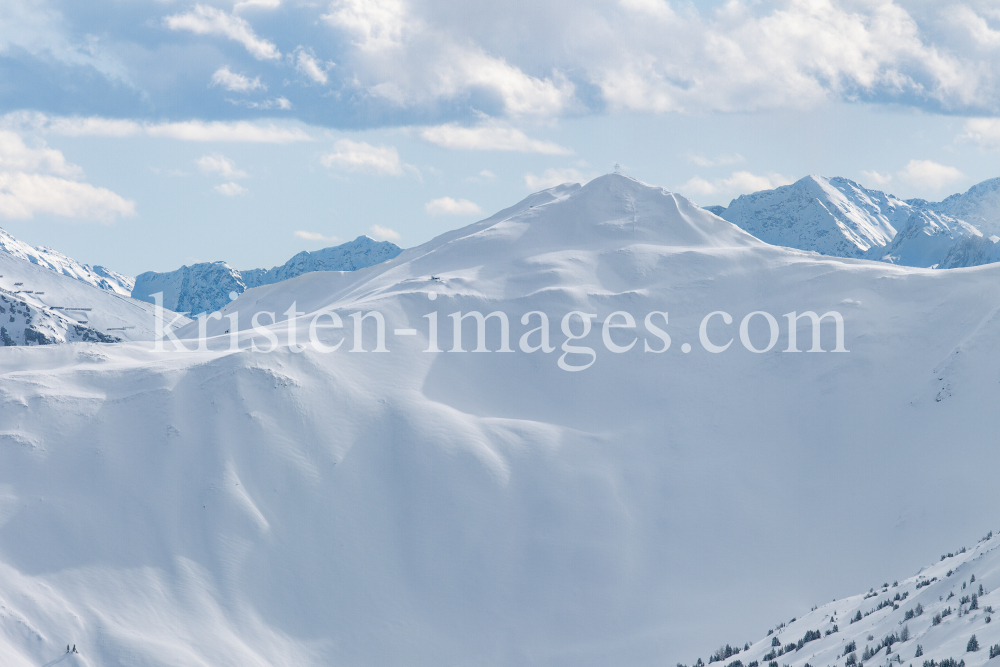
200,288
926,239
98,276
22,323
838,217
209,286
980,206
972,251
942,616
357,254
833,216
231,506
44,306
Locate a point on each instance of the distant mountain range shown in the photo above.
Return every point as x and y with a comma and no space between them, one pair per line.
209,286
838,217
47,297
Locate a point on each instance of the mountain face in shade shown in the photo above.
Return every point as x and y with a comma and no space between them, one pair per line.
209,286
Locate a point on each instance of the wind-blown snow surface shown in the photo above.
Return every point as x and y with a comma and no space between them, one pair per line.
98,276
414,508
207,287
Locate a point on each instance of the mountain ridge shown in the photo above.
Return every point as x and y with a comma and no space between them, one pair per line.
209,286
839,217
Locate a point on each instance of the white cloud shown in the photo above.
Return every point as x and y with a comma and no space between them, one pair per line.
484,176
315,236
798,54
654,55
231,189
738,183
40,180
449,206
309,65
256,4
240,131
15,155
408,62
192,130
219,164
376,25
22,195
488,137
721,160
698,186
359,156
281,103
207,20
236,82
553,177
983,131
877,179
381,233
974,26
929,174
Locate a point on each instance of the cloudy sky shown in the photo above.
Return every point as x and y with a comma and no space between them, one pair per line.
146,134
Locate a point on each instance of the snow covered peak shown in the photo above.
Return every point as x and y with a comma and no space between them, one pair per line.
833,216
605,212
980,206
98,276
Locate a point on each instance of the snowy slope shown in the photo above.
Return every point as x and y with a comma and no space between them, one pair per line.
832,216
931,616
98,276
412,508
66,304
209,286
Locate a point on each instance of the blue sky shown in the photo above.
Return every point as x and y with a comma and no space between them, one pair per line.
145,134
